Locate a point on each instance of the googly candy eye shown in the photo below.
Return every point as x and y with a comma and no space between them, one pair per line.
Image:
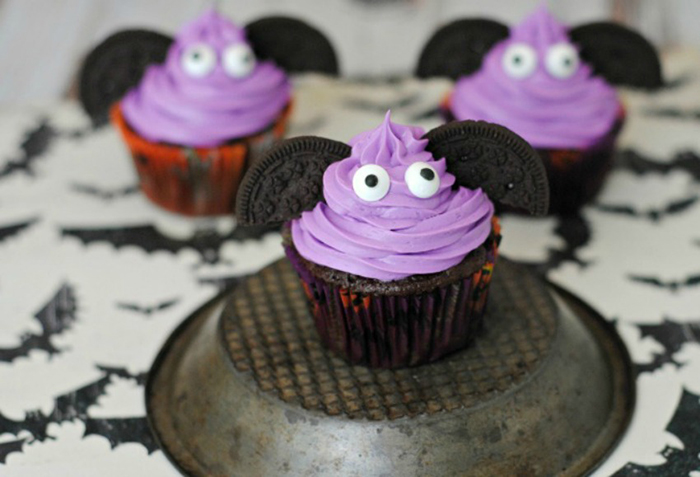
519,60
239,60
422,180
198,60
562,60
371,182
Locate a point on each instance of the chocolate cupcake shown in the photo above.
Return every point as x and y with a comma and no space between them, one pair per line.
196,121
394,236
551,85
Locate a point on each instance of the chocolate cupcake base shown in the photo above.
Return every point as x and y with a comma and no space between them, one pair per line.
196,181
577,175
401,323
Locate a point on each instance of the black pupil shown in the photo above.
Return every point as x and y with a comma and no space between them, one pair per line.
196,55
567,61
371,180
427,174
517,60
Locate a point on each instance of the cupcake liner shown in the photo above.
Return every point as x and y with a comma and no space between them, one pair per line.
195,180
394,331
575,175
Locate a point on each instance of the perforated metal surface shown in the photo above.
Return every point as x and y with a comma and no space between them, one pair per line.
270,336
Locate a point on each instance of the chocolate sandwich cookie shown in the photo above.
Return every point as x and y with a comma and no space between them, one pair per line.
295,46
458,48
116,65
619,54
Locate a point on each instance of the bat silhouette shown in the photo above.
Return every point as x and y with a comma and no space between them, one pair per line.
13,229
683,425
74,405
673,113
383,107
671,335
148,310
6,448
55,317
686,161
672,285
575,231
206,242
673,208
105,195
222,283
36,142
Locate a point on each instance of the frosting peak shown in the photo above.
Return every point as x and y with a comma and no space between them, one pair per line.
540,29
390,144
535,83
402,233
213,28
209,90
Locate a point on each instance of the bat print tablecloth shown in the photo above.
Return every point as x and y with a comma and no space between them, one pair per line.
93,278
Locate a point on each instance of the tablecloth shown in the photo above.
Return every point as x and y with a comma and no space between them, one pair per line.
93,278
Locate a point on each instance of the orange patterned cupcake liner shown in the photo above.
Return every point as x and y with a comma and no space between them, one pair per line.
196,181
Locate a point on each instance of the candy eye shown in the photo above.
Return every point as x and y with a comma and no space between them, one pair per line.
371,182
519,60
562,60
422,180
239,60
198,60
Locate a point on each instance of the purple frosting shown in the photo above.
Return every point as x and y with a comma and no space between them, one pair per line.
399,235
170,105
549,112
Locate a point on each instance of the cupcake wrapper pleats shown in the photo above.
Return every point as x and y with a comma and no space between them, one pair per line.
200,180
388,331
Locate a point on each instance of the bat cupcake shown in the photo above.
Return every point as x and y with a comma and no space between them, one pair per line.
550,84
393,235
195,111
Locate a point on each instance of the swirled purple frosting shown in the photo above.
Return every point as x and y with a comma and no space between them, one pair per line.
170,105
549,112
399,235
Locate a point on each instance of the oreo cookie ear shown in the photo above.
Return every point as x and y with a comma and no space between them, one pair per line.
458,48
622,56
293,44
504,165
116,65
287,180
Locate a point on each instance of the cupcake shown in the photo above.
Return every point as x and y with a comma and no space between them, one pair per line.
393,235
197,120
554,87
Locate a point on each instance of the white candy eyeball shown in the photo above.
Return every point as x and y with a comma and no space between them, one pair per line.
371,182
519,60
239,60
422,180
562,60
198,60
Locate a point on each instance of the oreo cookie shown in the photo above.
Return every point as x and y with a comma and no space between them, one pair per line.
294,45
116,65
481,154
457,49
287,181
622,56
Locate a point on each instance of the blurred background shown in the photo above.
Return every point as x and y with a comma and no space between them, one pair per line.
42,42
